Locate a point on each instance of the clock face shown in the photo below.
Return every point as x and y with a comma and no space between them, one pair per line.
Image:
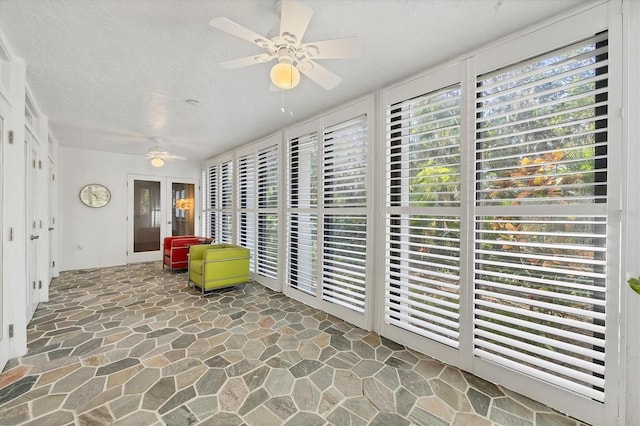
95,195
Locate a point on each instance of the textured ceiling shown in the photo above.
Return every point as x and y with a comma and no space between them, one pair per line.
115,75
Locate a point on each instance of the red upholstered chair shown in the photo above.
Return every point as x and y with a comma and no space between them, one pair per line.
176,250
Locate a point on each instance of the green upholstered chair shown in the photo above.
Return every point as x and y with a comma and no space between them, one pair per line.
213,266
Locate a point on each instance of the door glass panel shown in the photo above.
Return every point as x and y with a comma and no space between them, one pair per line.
146,216
182,208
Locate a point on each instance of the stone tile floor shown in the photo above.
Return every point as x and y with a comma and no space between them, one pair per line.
133,345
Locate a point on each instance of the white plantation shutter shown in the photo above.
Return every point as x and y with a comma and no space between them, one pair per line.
219,208
540,284
345,227
303,234
226,203
267,208
303,172
246,200
267,253
344,260
210,190
257,202
267,175
345,164
327,229
423,215
247,182
302,219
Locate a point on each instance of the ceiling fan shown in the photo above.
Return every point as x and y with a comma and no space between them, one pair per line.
293,56
158,157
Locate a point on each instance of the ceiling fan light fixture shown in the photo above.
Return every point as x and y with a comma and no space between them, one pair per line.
157,162
284,75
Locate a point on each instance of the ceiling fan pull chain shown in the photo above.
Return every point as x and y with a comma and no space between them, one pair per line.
282,101
282,108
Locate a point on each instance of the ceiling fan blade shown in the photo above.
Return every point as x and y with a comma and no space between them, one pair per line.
164,155
294,18
246,61
339,48
319,74
239,31
175,157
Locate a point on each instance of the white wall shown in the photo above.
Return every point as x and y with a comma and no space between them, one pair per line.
97,237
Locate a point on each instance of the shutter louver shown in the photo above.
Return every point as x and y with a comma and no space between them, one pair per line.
423,215
540,266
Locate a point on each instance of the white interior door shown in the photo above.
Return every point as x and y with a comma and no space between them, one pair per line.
34,226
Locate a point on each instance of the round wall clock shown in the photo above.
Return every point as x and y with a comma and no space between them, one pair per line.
95,195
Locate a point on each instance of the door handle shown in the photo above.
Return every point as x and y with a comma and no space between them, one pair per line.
35,237
51,229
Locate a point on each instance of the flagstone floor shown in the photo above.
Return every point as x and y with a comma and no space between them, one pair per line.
132,345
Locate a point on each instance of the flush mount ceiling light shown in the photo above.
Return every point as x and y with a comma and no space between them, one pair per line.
157,162
294,56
